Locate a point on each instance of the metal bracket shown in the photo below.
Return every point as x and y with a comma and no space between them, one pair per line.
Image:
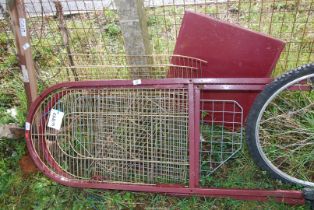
312,83
309,196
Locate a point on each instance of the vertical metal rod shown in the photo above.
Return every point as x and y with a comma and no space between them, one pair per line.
18,22
192,156
65,34
197,135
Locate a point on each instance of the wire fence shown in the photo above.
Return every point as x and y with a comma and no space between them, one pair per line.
221,133
7,45
61,31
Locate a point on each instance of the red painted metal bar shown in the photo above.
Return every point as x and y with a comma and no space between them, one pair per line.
197,97
250,87
287,196
233,87
291,201
233,81
193,181
300,88
126,83
43,144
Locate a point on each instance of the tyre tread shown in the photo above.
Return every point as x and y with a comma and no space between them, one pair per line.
260,100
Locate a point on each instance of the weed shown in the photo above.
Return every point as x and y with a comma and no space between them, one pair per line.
113,30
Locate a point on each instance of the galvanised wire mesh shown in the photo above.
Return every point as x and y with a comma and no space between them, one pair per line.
5,31
7,47
9,67
221,133
70,35
100,66
289,20
134,135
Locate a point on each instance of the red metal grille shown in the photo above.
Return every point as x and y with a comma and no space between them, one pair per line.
130,135
89,150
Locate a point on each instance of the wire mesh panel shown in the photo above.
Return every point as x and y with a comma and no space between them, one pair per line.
144,137
7,46
68,34
221,133
5,31
100,66
135,135
289,20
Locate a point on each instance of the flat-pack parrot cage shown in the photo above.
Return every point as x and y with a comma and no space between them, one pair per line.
153,95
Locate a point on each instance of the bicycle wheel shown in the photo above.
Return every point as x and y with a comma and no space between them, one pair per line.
280,127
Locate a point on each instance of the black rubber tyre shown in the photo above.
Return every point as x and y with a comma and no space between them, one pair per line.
255,116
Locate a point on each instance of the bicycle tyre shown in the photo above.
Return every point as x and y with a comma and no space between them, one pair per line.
264,153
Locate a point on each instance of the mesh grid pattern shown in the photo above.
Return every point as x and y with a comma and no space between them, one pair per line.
289,20
116,135
68,34
95,67
221,133
93,26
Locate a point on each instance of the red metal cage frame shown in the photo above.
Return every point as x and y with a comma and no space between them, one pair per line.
194,87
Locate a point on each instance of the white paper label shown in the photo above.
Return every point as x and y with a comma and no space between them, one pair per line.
24,73
137,82
55,119
22,22
27,126
26,46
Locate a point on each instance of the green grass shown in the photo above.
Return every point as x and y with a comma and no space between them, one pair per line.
39,192
11,87
286,136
